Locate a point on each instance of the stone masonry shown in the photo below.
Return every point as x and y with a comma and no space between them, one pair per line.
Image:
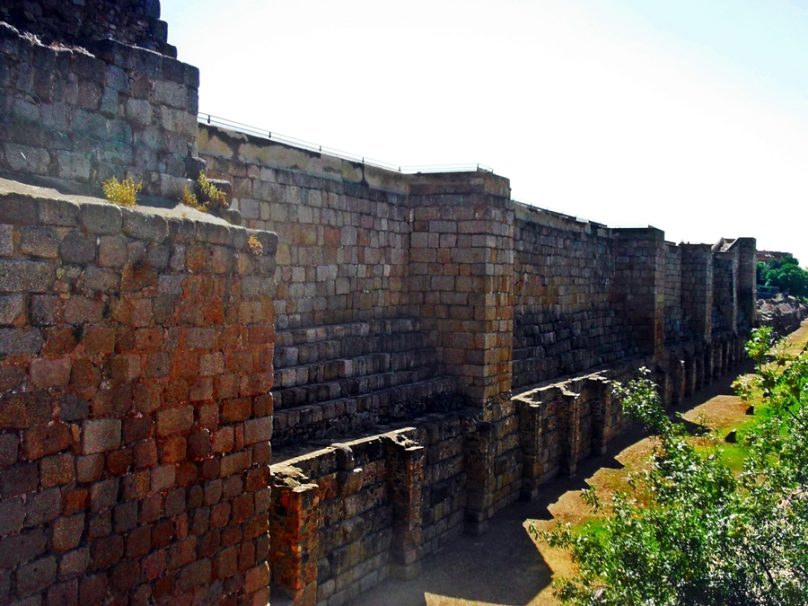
194,411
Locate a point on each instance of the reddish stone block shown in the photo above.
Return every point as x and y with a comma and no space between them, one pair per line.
162,534
119,461
257,578
223,440
106,551
90,468
154,565
124,576
50,373
211,469
220,515
150,339
137,428
101,435
57,470
138,543
246,556
93,589
164,587
257,430
185,365
257,478
151,509
199,445
136,485
226,386
22,410
125,368
114,401
209,543
67,532
43,507
236,410
175,502
85,377
163,477
242,508
235,463
35,576
262,453
226,563
74,501
98,340
256,527
59,341
145,454
103,494
157,365
47,439
182,553
176,391
201,389
148,396
74,563
63,594
256,384
195,574
173,450
175,420
231,535
208,415
187,474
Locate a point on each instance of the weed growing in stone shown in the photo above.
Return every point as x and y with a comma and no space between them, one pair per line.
254,246
122,193
206,197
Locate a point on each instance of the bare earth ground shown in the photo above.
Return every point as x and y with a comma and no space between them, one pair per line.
505,566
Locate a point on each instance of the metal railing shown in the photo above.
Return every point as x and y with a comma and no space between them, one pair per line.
314,147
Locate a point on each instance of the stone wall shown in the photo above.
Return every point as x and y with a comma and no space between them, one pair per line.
565,317
343,232
133,22
134,415
81,117
674,330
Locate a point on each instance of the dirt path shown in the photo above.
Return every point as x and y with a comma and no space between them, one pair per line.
505,567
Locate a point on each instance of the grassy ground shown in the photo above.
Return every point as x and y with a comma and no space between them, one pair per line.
719,415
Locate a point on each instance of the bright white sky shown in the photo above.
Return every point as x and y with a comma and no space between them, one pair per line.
689,115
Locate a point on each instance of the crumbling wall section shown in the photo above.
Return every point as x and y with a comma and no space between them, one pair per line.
134,414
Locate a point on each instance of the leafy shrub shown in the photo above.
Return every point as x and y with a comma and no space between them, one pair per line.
692,532
123,193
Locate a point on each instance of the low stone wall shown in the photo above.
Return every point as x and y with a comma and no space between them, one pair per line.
134,415
346,516
82,116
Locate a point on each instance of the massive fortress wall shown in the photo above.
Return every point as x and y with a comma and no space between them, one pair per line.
418,350
399,296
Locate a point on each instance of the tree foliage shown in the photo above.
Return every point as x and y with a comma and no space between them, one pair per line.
784,274
693,532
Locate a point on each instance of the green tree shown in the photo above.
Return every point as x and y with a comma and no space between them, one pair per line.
785,274
692,532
